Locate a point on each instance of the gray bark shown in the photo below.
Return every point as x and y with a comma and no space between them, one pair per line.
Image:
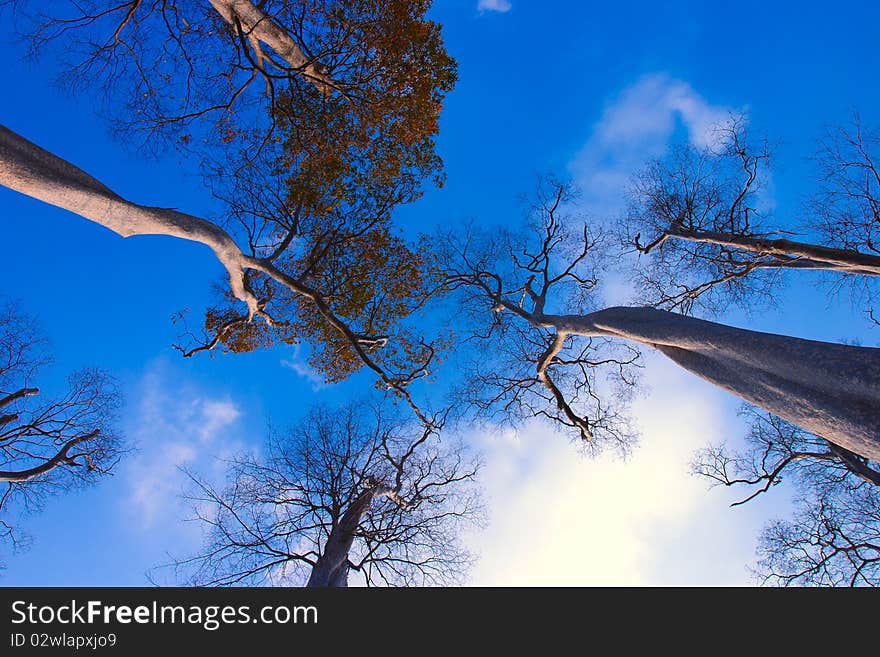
260,28
35,172
831,390
795,254
331,569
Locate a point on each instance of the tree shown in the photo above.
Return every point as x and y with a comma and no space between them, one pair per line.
778,448
235,67
831,538
712,243
340,135
828,389
35,172
48,445
339,131
351,489
519,369
309,169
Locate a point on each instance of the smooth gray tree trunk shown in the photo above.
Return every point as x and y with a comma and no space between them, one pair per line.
831,390
331,569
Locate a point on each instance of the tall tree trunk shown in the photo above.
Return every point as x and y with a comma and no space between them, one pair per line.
331,569
831,390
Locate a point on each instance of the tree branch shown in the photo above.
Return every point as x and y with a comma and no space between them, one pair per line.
60,458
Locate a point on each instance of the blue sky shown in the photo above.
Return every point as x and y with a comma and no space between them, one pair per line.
576,88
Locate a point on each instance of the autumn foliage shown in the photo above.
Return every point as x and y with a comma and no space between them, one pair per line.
345,158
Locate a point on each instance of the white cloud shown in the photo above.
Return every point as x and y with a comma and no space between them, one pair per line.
174,426
636,126
558,518
494,5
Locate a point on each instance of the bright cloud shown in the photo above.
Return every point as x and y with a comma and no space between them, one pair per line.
637,126
559,518
494,5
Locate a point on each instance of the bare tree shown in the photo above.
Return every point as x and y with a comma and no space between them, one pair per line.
355,489
47,444
828,389
837,502
832,540
712,245
712,241
519,369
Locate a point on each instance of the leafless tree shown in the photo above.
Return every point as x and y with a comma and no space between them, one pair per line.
522,369
831,390
710,245
778,449
837,502
845,208
701,220
832,540
356,489
48,444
